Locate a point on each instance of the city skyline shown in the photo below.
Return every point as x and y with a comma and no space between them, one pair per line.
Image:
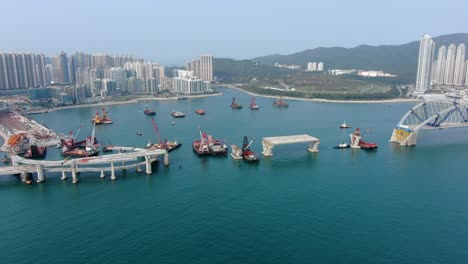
248,30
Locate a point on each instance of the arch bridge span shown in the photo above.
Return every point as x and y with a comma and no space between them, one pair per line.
429,115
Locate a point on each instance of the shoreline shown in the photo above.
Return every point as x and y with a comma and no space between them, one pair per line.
131,101
317,100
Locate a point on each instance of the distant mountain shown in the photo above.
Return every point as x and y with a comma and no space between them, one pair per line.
401,60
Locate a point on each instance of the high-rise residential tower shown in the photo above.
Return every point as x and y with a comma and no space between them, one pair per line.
206,68
459,71
426,52
201,67
450,64
62,67
441,57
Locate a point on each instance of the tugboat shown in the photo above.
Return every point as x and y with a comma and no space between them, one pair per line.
342,146
103,119
209,146
235,105
200,111
167,145
148,111
35,152
177,114
253,105
247,154
278,102
344,125
356,141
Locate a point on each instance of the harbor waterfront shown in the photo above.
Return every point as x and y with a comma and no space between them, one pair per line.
394,205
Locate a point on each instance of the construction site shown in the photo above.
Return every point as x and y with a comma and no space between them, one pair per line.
19,133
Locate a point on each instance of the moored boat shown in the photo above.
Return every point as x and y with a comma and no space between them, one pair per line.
253,105
177,114
103,119
342,146
200,111
345,125
278,102
235,105
148,111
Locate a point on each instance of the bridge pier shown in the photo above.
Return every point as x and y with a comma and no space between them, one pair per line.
148,165
313,147
355,141
74,175
102,176
112,172
403,137
64,176
40,173
267,149
24,176
166,159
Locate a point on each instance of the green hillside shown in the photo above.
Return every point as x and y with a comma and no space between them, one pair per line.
401,60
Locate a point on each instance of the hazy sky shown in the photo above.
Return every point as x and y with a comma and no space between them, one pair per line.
172,32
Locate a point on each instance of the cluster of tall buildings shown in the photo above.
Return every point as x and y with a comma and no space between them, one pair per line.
195,79
201,68
22,70
450,69
314,66
184,82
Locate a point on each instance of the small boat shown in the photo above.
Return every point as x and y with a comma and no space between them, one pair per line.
344,125
173,123
235,105
200,111
342,146
247,154
253,105
177,114
35,152
139,133
148,111
278,102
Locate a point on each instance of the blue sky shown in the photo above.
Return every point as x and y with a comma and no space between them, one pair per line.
172,32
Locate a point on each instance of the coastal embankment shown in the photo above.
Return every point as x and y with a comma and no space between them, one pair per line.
318,100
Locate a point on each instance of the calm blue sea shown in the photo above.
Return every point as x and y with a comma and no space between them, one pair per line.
395,205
